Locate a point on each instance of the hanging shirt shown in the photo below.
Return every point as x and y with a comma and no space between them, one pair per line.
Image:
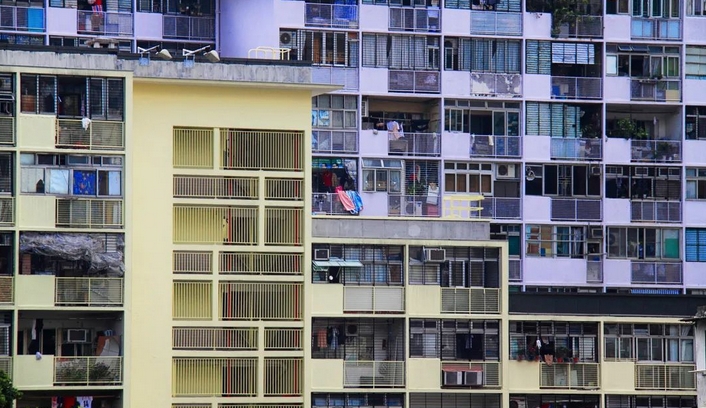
84,402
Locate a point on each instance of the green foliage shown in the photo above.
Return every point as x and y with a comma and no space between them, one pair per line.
629,129
8,393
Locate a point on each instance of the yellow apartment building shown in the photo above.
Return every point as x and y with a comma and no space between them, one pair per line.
158,249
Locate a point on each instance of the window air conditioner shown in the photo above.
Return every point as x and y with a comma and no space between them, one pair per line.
453,378
473,378
322,254
434,255
288,39
596,170
505,171
596,233
77,336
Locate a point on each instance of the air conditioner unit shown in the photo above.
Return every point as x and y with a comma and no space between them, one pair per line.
288,39
596,233
77,336
596,170
434,255
414,209
473,378
506,171
454,378
322,254
364,108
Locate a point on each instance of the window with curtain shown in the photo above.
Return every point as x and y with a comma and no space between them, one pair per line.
401,52
695,244
695,62
644,243
695,183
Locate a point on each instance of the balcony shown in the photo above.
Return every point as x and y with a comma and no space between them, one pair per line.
334,141
576,88
414,81
655,150
500,85
373,299
348,77
571,209
501,208
327,204
93,135
582,27
655,211
666,377
495,146
471,374
416,144
594,270
107,23
89,292
415,19
495,23
410,206
331,15
470,300
91,213
570,376
189,28
656,273
25,19
85,371
655,29
653,90
373,374
576,149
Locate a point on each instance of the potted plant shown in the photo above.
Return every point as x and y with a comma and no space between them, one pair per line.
628,128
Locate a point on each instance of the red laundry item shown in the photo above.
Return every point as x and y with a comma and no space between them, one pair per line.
69,402
344,199
321,338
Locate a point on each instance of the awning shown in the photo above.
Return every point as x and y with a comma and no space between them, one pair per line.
341,263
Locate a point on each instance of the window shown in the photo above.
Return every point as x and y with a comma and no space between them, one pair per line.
561,120
334,111
473,178
695,183
325,48
542,54
420,175
467,340
695,8
360,265
453,399
381,175
511,5
400,52
479,118
83,176
695,62
356,400
465,267
185,7
644,243
108,5
695,244
482,55
649,342
571,341
695,128
643,183
656,8
641,61
649,401
358,339
562,180
558,241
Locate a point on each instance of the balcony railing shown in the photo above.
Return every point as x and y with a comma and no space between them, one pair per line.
654,90
582,27
570,376
594,271
97,135
571,209
416,144
514,273
495,23
666,377
90,213
189,28
656,150
415,19
214,338
576,149
411,206
7,211
334,141
327,204
7,292
6,365
577,88
7,130
470,300
373,374
655,29
501,208
373,299
106,23
89,292
655,211
348,77
490,84
215,187
495,146
282,338
656,272
88,370
30,19
331,15
486,374
414,81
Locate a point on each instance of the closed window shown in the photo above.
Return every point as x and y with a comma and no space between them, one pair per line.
695,244
644,243
695,183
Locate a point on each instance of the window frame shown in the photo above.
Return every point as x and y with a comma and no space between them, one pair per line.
318,106
697,248
653,339
387,168
469,171
633,240
445,332
696,183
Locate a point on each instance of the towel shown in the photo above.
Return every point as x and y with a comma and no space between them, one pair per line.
344,199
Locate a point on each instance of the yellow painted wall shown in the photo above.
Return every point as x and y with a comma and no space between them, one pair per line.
35,291
37,131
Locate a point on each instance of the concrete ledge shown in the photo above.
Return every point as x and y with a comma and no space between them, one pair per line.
412,229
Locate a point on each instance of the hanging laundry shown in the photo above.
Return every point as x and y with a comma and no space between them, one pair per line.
344,199
357,201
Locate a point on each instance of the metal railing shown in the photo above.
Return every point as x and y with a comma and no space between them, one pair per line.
373,374
260,263
7,211
656,150
655,211
7,130
495,23
373,299
415,19
572,209
348,77
283,338
262,150
214,338
6,365
7,290
489,374
284,226
576,149
88,370
97,135
193,148
495,146
282,189
334,141
192,262
107,23
215,187
89,292
576,88
327,204
214,376
501,208
215,225
331,15
283,377
414,81
642,28
30,19
506,85
594,271
416,144
514,273
192,300
91,213
470,300
666,377
656,273
259,301
411,206
189,28
654,90
582,27
570,376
